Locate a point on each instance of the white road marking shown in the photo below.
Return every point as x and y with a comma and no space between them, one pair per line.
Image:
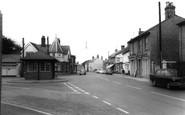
106,102
45,113
96,97
106,79
133,87
123,110
169,96
87,93
116,82
71,88
77,87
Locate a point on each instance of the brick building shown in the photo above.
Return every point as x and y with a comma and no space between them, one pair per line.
144,48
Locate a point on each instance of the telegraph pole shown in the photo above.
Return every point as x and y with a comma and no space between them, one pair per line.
22,66
1,37
160,38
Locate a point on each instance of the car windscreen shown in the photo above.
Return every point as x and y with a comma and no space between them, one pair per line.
80,67
170,73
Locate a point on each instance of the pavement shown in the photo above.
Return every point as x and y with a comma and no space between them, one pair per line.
143,79
63,78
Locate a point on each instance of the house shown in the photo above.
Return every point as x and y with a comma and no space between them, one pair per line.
116,60
86,65
181,63
11,65
96,64
39,66
62,53
125,61
145,56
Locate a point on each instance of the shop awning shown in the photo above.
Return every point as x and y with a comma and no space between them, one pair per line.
110,66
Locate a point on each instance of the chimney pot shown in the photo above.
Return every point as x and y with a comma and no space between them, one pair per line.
43,39
122,47
169,10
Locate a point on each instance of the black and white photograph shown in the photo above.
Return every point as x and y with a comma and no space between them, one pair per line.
92,57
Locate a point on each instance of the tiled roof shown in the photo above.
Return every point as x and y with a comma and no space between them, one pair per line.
39,56
65,49
11,58
119,52
55,47
148,31
127,49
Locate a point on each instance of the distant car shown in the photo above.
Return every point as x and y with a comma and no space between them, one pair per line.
81,70
101,71
167,78
109,71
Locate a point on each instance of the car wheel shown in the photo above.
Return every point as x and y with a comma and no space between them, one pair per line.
154,83
168,86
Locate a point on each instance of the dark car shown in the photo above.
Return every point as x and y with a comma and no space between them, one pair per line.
109,71
167,78
81,70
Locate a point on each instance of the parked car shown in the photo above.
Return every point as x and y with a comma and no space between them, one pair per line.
81,70
101,71
109,71
167,78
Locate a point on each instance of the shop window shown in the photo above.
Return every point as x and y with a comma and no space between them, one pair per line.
45,66
32,66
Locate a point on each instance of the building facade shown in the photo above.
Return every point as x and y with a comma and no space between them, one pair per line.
11,65
95,64
62,53
145,54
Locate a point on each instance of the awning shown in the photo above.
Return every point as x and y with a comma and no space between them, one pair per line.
110,66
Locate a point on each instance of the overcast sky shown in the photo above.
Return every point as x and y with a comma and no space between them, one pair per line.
104,24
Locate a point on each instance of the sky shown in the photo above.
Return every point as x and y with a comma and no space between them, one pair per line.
89,27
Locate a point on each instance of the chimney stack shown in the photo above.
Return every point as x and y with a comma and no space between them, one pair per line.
169,10
92,57
101,57
48,45
116,50
43,39
122,47
97,56
140,32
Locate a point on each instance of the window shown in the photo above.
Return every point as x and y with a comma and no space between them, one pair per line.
145,43
44,66
132,48
139,45
32,66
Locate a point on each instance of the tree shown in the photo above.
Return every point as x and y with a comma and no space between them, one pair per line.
10,47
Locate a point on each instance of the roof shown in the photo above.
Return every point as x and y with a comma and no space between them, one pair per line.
148,31
11,58
55,47
65,49
181,23
123,51
39,56
127,49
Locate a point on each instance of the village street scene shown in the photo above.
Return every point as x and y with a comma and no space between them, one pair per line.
143,76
